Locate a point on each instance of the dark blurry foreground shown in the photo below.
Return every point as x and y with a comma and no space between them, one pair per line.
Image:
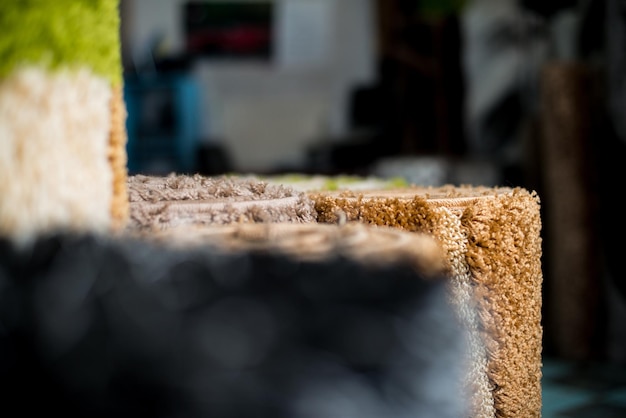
93,327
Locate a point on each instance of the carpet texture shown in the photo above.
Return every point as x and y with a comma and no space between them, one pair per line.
101,327
62,118
492,241
118,160
161,202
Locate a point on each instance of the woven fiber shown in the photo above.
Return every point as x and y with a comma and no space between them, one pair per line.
118,160
158,202
491,238
62,118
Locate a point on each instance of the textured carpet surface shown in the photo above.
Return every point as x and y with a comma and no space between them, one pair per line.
160,202
62,118
492,240
118,160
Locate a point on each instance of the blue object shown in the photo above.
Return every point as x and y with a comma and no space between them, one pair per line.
162,123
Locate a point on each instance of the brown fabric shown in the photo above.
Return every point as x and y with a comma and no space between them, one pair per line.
499,242
117,158
176,200
314,241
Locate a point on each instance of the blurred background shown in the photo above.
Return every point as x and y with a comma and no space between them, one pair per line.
521,93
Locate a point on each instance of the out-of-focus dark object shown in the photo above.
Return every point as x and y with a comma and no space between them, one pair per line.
213,159
615,36
581,116
548,8
98,327
228,29
420,56
573,263
610,145
366,140
416,104
504,49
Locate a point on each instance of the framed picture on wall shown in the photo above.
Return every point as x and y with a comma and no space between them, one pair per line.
233,29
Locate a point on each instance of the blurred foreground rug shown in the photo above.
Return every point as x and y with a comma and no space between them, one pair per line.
103,327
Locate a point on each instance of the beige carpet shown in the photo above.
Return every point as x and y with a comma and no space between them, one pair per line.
158,202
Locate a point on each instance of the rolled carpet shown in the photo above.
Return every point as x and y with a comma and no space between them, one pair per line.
161,202
492,243
62,133
96,326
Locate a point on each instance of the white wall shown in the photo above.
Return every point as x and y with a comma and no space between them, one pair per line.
267,113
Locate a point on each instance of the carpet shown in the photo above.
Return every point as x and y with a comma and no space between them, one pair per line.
62,113
161,202
492,241
97,326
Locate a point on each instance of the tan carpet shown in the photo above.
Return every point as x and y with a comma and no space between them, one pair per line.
490,238
492,241
118,160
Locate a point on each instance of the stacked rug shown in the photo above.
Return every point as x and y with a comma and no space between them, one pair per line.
161,202
491,238
62,114
224,296
313,242
227,296
293,321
